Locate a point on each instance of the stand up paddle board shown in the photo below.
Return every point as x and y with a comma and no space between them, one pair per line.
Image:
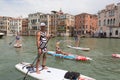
71,56
116,55
79,48
47,74
17,45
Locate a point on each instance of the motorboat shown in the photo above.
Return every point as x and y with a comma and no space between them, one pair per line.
1,35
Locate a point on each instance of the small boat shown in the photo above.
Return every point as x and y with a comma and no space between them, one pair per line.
116,55
79,48
47,74
17,45
70,56
1,35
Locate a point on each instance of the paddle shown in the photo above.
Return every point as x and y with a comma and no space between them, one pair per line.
35,60
11,41
31,65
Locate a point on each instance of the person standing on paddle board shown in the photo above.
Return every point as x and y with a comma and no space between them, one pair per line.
41,40
76,38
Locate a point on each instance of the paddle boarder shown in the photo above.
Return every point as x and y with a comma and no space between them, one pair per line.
76,38
41,40
17,39
59,51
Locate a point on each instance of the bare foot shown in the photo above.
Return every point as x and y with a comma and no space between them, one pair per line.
44,67
81,78
38,72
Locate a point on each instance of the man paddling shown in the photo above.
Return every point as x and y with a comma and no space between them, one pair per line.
41,40
76,38
17,39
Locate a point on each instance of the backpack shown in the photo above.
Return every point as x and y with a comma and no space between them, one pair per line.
71,75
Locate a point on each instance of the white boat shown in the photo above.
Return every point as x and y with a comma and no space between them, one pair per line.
17,45
1,35
79,48
46,74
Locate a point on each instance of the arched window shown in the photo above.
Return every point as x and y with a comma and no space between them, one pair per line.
114,21
104,22
111,22
108,21
116,32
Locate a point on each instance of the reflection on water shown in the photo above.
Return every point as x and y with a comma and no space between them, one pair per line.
102,67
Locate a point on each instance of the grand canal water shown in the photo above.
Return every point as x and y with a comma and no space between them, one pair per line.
103,66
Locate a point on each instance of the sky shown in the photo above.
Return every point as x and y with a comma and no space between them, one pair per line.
17,8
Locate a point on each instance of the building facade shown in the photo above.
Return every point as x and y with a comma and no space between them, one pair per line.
109,21
86,23
4,24
66,22
62,23
25,27
57,22
15,26
10,25
34,22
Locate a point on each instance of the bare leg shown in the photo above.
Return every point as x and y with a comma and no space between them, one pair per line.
44,61
38,61
65,53
80,78
37,66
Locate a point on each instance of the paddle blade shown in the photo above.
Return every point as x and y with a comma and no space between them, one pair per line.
10,43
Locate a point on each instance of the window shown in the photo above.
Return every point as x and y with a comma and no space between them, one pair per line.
98,15
86,26
108,22
110,34
113,12
116,32
114,21
105,14
105,22
99,22
34,27
90,27
111,22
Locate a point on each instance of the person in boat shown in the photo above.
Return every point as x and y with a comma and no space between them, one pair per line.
59,51
42,38
17,38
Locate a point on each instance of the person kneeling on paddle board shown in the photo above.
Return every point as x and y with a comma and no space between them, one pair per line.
17,39
41,40
59,51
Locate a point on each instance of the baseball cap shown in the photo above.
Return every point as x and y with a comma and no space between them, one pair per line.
42,24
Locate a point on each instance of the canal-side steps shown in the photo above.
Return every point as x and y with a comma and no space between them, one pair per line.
50,73
71,56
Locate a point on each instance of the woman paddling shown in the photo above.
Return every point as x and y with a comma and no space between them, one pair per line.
59,51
